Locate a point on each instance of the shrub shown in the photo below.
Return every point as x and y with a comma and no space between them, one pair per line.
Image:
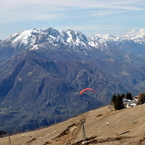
2,133
141,98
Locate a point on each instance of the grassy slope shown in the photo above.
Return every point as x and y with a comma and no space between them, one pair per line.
126,127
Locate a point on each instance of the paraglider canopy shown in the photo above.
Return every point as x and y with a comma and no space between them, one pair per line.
81,92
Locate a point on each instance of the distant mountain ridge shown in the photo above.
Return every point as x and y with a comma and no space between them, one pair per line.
29,39
43,70
138,35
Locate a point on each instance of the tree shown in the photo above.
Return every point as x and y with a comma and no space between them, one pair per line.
129,96
123,95
141,98
118,103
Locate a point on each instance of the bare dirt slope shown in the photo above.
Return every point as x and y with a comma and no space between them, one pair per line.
101,126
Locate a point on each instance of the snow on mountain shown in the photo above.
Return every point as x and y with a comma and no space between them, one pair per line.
26,37
100,41
105,37
138,35
73,39
29,38
35,47
76,38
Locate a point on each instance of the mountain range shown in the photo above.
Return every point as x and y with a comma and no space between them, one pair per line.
42,72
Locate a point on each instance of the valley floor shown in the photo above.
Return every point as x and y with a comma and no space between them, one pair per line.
101,126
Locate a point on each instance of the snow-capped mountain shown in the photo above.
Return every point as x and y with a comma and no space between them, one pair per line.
100,41
104,37
133,42
138,35
71,38
74,40
29,38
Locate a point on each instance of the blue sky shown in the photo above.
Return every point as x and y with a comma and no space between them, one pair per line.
88,16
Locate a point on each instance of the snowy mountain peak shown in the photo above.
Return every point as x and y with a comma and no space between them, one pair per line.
28,38
75,37
100,41
25,38
104,38
138,35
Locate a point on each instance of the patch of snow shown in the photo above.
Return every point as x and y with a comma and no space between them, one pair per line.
124,73
35,47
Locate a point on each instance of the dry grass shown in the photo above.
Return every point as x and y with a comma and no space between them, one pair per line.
123,127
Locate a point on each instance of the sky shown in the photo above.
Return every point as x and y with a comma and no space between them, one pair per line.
88,16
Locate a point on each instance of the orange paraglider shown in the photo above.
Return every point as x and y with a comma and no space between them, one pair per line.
81,92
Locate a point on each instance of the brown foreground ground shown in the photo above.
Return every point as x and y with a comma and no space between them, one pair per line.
101,126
